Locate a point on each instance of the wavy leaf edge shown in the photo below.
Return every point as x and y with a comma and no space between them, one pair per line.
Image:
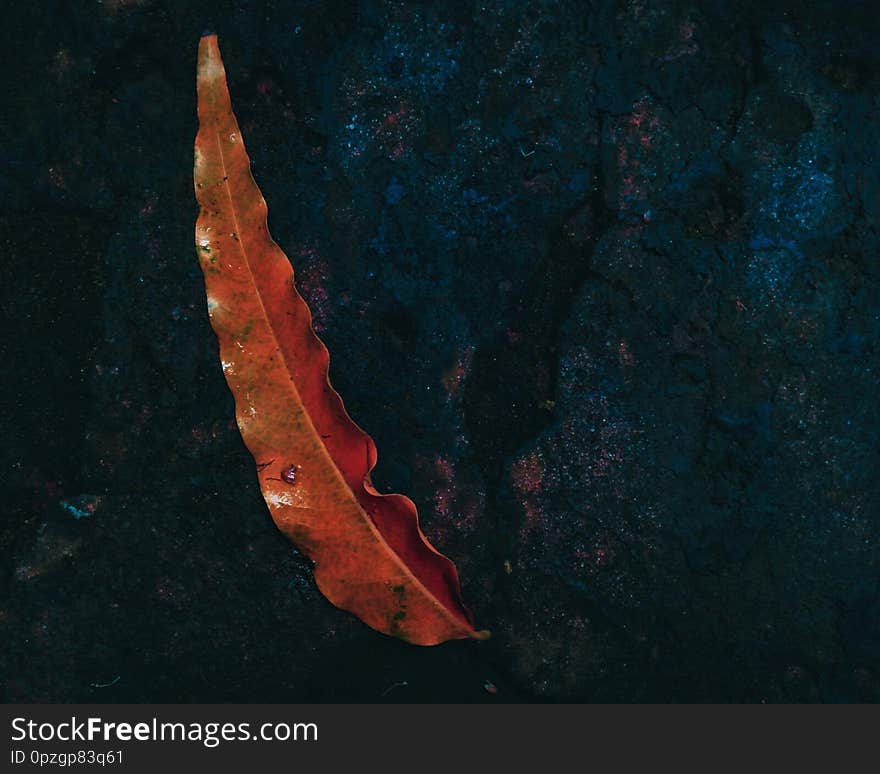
418,597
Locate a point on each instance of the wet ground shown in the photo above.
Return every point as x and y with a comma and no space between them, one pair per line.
600,279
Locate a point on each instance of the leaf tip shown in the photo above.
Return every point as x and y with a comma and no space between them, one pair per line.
209,32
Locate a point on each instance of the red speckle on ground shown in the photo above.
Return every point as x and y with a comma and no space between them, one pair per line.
458,503
311,272
456,374
635,134
527,473
445,492
392,120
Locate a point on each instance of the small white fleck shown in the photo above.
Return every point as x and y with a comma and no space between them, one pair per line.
279,499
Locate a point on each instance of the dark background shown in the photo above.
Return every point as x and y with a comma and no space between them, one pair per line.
600,279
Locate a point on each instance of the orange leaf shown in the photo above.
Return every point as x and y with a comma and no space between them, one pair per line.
313,461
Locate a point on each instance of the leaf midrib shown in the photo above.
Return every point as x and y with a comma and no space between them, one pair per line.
214,83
